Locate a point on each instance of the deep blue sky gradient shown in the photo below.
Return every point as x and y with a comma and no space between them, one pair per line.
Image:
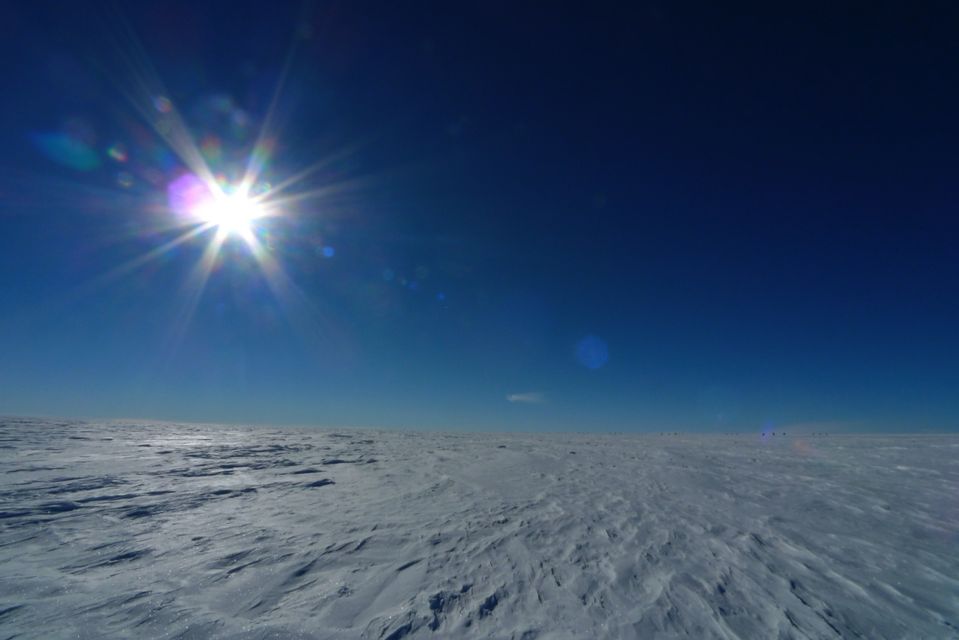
748,213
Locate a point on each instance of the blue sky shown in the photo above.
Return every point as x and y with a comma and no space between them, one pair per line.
604,219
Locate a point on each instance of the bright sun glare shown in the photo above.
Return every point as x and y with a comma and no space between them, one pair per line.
231,214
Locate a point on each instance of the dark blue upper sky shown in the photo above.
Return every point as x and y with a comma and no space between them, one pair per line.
672,216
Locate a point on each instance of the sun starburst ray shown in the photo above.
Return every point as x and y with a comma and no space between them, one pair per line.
138,262
193,290
313,169
146,95
212,194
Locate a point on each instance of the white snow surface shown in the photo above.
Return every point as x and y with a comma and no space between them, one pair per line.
160,530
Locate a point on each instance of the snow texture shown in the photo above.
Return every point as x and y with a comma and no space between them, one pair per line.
196,531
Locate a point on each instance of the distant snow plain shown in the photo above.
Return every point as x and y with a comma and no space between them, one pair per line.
158,530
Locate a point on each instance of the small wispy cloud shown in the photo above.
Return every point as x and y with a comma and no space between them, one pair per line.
529,397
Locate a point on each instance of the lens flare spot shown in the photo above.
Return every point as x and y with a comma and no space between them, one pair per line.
186,194
211,149
118,152
592,352
68,150
162,104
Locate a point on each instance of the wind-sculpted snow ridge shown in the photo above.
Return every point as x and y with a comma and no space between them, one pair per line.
190,531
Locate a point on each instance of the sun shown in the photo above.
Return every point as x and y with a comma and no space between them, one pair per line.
231,213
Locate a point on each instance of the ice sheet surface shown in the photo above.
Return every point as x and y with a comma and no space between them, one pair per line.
193,531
